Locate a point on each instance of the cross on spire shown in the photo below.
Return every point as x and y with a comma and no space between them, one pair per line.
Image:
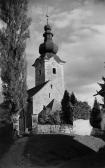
47,16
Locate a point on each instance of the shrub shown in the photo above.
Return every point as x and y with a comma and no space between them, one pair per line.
49,117
81,110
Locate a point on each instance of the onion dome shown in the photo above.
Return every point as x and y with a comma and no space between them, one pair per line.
48,46
47,27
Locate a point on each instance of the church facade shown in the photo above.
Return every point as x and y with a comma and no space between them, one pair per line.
49,76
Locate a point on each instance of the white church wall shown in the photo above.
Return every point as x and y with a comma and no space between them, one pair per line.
56,79
45,96
42,98
54,89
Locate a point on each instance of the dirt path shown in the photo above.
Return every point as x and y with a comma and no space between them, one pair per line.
54,151
14,157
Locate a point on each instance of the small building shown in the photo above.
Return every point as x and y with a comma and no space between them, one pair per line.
49,77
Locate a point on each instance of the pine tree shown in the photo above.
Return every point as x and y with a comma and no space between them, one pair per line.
67,112
13,64
73,99
101,92
95,116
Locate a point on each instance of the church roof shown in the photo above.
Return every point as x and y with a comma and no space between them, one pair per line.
53,108
56,57
34,90
47,57
54,105
48,48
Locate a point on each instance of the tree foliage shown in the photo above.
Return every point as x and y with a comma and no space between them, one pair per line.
67,111
81,110
95,116
13,64
47,117
73,99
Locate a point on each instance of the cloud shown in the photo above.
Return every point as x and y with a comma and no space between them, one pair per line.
86,93
80,33
99,1
33,42
100,28
73,18
85,63
38,12
79,23
83,33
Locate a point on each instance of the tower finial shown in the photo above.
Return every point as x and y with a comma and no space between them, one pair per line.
47,16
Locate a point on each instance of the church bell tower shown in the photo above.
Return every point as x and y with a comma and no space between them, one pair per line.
49,66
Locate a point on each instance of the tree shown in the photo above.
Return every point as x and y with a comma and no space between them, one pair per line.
67,112
95,116
73,99
13,64
101,92
49,117
81,110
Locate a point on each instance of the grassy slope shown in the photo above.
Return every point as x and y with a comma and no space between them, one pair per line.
55,151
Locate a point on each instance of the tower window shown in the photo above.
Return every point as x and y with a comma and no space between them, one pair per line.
49,95
51,86
39,72
54,70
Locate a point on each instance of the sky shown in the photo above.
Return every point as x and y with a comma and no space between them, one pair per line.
79,31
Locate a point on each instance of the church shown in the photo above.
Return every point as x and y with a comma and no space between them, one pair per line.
49,77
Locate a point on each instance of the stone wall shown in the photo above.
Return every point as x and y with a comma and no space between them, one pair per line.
53,129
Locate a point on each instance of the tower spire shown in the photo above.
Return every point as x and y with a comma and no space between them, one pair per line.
48,46
47,16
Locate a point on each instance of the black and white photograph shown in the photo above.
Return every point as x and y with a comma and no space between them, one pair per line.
52,83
